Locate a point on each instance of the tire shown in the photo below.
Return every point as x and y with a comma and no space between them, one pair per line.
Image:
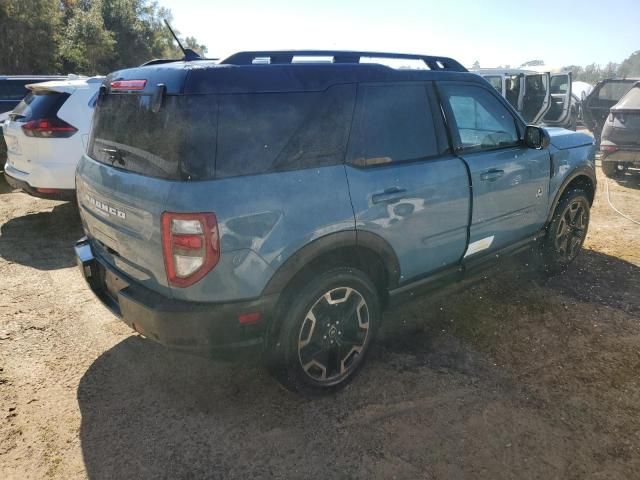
566,232
610,169
328,327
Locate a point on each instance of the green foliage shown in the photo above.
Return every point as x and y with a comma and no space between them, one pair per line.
631,66
593,73
84,36
29,34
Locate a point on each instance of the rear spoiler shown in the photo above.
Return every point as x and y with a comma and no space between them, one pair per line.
61,86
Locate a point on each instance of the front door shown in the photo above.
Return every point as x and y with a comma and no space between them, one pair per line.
510,182
560,109
536,99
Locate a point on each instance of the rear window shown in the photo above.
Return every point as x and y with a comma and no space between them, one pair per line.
41,104
176,142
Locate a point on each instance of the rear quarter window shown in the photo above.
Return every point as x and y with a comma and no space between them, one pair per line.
268,132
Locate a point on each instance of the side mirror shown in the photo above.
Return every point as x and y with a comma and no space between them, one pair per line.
536,137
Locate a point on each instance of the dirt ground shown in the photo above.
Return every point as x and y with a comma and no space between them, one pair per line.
515,378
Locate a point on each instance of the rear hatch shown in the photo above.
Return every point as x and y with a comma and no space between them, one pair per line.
40,104
140,145
622,127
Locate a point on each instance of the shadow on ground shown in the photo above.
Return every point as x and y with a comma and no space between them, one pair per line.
42,240
4,186
426,405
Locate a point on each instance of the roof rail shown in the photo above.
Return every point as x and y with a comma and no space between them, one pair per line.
287,56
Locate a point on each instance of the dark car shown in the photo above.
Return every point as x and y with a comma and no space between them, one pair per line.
620,140
597,105
263,204
12,90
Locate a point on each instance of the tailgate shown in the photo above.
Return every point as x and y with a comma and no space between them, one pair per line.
121,214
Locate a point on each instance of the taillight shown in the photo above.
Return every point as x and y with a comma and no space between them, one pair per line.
616,116
128,84
190,245
608,148
48,128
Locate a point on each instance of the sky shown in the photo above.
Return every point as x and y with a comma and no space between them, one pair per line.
493,32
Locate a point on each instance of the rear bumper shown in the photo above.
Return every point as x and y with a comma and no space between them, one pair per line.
211,329
50,194
630,156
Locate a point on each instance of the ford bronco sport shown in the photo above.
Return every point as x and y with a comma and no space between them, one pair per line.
279,201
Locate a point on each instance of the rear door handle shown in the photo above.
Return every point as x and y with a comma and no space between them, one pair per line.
491,175
390,195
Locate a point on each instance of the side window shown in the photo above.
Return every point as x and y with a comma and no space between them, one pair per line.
482,122
495,81
266,132
393,123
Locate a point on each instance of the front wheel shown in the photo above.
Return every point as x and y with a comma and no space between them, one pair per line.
567,231
327,331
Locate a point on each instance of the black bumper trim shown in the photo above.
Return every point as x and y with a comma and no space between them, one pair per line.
62,194
210,329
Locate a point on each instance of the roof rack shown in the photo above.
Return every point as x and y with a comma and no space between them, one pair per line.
287,57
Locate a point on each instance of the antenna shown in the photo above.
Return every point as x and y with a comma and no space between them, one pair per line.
188,53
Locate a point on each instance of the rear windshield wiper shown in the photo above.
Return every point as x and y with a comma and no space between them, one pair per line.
115,155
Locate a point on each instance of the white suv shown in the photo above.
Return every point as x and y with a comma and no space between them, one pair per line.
47,133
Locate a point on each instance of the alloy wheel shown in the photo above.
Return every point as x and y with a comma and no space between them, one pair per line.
571,230
333,335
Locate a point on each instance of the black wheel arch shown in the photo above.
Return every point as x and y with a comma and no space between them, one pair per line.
351,247
582,177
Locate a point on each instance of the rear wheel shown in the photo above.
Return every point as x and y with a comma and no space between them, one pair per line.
327,330
567,231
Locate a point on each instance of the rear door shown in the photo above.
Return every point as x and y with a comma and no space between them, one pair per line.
405,184
536,98
510,182
560,109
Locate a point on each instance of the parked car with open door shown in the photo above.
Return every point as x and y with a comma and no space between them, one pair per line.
539,97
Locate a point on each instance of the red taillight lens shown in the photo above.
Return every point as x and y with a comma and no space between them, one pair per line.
48,128
128,85
190,245
608,148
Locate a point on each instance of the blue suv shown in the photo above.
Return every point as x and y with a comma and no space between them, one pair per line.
279,201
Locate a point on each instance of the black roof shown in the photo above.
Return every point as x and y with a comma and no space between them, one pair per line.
247,72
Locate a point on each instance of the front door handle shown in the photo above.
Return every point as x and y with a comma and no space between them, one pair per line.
491,175
390,195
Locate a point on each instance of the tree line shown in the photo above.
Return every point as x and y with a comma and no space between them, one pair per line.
84,36
628,68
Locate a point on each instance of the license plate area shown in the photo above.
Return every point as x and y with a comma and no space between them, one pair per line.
113,283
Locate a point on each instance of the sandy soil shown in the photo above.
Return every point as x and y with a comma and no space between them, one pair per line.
515,378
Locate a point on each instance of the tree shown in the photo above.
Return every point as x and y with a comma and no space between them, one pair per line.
29,34
630,67
87,46
84,36
476,65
